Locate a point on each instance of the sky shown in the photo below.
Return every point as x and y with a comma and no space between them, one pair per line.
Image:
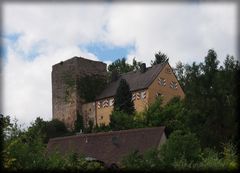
39,35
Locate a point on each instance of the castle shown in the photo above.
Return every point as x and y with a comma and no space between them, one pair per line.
145,84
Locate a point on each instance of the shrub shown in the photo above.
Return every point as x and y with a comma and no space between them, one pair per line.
180,145
120,120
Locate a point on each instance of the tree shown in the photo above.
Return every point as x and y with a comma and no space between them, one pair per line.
121,66
56,128
160,58
90,86
180,145
120,120
152,114
150,160
210,99
123,98
78,124
179,71
135,64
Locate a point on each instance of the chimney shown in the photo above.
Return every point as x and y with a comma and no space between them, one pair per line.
143,68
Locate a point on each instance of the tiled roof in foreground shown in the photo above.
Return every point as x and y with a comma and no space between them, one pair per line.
108,147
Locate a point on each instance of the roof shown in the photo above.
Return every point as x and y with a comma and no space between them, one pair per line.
108,147
136,80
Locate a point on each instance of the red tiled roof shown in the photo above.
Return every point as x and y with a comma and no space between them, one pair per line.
108,147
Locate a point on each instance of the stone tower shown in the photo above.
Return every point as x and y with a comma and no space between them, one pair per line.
66,100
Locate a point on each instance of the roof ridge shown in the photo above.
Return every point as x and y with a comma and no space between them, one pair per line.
109,133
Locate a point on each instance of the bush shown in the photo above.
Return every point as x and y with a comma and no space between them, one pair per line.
150,160
210,160
180,145
120,120
230,156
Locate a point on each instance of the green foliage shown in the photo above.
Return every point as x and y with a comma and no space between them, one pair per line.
78,124
149,160
101,128
136,65
182,164
121,66
123,98
210,160
25,150
73,162
70,85
56,128
90,126
133,161
90,86
159,58
86,86
180,145
180,72
172,115
152,114
230,156
211,99
120,120
208,111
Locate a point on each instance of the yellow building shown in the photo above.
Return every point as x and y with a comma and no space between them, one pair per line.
145,84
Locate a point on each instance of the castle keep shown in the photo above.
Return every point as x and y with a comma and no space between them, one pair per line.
145,84
66,100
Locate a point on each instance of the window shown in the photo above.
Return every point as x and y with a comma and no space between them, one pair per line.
99,104
111,102
162,81
168,70
100,117
133,96
105,103
143,94
173,85
138,95
158,94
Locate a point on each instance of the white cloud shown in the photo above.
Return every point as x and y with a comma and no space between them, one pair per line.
27,84
182,31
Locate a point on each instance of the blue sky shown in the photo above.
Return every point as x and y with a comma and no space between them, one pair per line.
107,52
37,36
103,51
11,38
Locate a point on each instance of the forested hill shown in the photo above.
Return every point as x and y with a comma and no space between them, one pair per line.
202,129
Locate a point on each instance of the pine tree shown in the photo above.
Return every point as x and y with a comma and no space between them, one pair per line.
123,98
159,58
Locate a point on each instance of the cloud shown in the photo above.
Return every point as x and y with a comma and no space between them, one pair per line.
184,32
27,84
38,36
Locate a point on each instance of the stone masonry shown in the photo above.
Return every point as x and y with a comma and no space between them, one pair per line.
66,102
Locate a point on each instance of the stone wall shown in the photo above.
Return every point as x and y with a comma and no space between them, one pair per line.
89,113
66,102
